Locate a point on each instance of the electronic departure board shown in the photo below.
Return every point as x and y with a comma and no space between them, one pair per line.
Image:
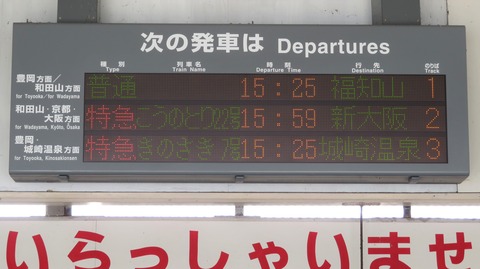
222,103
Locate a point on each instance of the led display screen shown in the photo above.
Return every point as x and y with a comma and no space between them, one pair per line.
264,118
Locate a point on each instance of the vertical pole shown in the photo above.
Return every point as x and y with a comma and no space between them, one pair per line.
361,237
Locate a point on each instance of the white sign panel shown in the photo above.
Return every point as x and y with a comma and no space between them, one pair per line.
195,244
419,244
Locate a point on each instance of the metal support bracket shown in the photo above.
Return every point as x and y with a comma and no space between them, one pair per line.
78,11
407,211
239,210
58,211
396,12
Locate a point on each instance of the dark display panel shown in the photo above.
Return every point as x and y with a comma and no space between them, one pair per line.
265,118
239,103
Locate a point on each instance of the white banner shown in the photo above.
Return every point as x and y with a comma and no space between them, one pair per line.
179,244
